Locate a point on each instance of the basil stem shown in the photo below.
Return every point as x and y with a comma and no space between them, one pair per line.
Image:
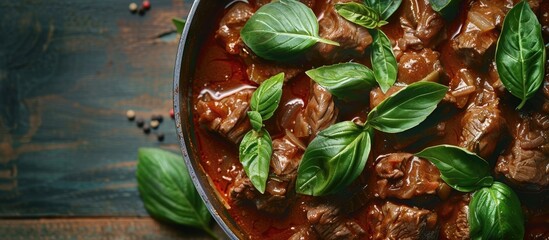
520,53
167,190
281,30
495,213
360,14
383,60
344,80
459,168
407,108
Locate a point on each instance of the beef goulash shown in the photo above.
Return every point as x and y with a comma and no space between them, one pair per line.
402,119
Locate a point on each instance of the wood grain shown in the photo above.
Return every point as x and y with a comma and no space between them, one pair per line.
98,228
69,70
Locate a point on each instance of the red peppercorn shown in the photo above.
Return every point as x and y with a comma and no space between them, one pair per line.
146,5
172,115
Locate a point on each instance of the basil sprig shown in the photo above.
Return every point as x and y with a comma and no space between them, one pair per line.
494,210
520,53
383,60
339,153
281,30
167,190
334,159
385,8
495,213
408,108
344,80
459,168
179,24
360,14
256,148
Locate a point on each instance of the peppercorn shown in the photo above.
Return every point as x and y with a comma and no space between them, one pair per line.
172,114
146,5
158,118
130,114
155,124
146,129
140,122
160,137
133,7
141,11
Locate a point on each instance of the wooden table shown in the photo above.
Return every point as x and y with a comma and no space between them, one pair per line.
69,70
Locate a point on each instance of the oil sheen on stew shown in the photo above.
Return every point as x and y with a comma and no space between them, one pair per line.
398,195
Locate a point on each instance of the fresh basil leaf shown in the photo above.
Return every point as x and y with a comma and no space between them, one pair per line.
344,80
495,213
255,155
179,24
266,97
167,190
383,60
281,30
359,14
385,8
255,120
333,159
407,108
520,53
448,8
459,168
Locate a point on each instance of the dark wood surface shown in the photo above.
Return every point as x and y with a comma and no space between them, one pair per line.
69,70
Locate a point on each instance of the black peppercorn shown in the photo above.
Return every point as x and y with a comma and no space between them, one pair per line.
140,122
146,129
160,137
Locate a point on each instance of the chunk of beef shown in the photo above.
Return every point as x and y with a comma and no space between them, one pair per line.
279,192
483,123
455,225
259,70
226,116
319,113
353,39
477,39
527,161
392,221
230,25
414,66
330,223
404,176
462,86
421,24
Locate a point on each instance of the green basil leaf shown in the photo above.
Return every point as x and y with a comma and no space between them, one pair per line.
383,60
255,120
495,213
255,155
360,14
266,97
167,190
281,30
459,168
179,24
344,80
407,108
385,8
448,8
333,159
520,53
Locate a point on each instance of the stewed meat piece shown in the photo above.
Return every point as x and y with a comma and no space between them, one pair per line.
414,66
421,24
279,193
329,222
226,116
353,39
527,161
319,113
231,24
483,124
393,221
479,34
454,218
404,176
